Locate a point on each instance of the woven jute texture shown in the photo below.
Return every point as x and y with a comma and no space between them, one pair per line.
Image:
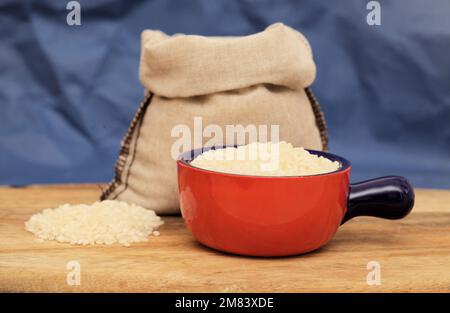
259,80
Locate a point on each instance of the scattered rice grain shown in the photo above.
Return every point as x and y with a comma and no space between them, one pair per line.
104,222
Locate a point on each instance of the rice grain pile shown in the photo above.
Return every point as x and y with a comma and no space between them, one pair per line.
104,222
265,159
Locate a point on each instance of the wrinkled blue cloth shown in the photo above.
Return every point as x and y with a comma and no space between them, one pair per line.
68,93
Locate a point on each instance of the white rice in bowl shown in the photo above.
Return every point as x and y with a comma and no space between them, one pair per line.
265,159
104,222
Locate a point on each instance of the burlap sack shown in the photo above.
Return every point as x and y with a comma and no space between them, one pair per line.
260,79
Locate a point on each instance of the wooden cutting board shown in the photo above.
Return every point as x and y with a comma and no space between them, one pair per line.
413,254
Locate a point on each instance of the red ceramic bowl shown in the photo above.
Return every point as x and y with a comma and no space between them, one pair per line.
280,216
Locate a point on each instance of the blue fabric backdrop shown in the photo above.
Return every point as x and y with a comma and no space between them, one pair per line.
67,93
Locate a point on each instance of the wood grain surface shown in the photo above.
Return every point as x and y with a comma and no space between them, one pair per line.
414,254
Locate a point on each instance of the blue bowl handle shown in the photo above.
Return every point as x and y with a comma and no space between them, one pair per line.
390,197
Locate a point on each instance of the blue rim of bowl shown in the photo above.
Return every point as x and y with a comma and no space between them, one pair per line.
186,157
